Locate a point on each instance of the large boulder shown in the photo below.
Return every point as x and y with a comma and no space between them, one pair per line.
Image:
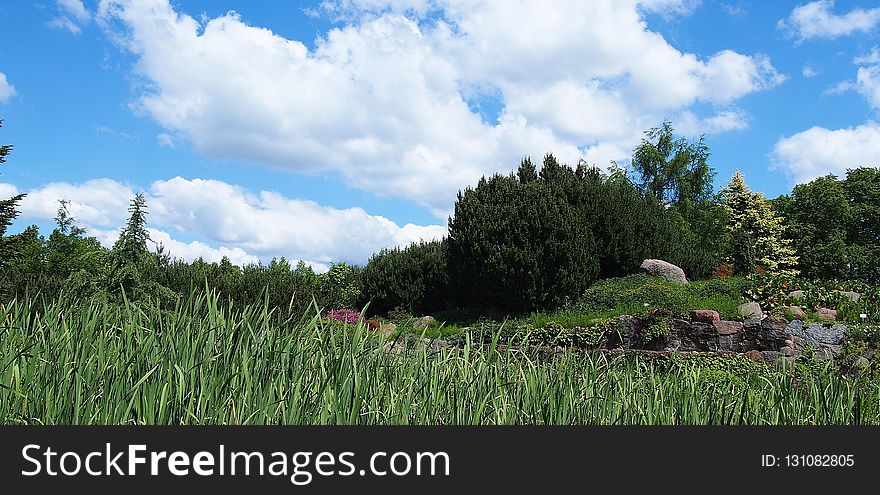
827,341
751,313
664,269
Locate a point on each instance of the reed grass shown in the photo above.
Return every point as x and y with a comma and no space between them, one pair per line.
208,363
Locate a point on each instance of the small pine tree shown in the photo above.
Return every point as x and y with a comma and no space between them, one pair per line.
751,214
132,242
8,207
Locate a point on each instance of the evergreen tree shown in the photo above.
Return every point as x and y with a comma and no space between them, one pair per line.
130,250
751,214
132,243
8,211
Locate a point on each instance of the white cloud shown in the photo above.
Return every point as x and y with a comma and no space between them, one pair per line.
165,139
97,202
816,20
728,120
869,58
819,151
246,226
7,91
868,84
7,190
809,71
734,10
72,15
380,101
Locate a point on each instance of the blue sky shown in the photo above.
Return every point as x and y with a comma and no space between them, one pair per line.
324,131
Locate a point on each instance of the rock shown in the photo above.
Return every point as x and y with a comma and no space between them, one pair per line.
755,355
388,329
728,327
751,313
691,336
787,351
826,341
423,322
797,294
732,342
862,362
775,324
827,314
797,313
704,315
770,357
852,296
663,269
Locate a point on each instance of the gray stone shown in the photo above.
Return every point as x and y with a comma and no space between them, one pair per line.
862,362
423,322
797,294
786,351
663,269
852,296
827,341
732,342
692,336
751,313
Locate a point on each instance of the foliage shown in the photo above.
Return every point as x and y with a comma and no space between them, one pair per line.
751,214
743,255
530,241
835,227
520,245
635,293
672,169
8,212
206,363
340,286
774,291
413,279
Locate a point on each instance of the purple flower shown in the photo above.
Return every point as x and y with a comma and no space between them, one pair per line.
344,315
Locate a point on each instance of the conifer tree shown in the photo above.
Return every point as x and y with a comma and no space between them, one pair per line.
8,211
751,215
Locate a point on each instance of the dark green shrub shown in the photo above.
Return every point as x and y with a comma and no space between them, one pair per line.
413,279
530,241
743,255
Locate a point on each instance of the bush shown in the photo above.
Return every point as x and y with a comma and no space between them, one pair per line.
520,245
412,280
533,241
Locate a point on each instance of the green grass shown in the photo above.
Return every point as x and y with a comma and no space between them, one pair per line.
633,294
204,363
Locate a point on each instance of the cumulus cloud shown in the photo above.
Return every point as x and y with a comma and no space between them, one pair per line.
819,151
72,15
729,120
7,90
244,225
817,20
97,202
7,190
383,100
809,71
